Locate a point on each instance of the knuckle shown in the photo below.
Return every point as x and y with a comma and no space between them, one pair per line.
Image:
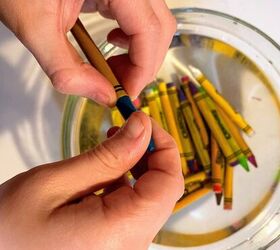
109,161
60,81
153,23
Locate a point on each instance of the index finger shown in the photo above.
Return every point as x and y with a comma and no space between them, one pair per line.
139,22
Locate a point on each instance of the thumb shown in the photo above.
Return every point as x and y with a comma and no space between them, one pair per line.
86,173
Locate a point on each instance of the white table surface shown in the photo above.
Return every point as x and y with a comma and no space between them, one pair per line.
30,111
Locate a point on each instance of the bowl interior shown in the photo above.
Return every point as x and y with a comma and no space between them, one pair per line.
242,63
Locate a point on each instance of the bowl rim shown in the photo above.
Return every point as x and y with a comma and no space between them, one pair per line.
176,11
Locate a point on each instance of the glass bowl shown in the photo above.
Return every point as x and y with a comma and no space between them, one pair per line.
244,64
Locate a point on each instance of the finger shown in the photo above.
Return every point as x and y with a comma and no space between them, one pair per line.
164,178
70,75
89,6
168,28
143,29
156,192
95,169
118,38
61,62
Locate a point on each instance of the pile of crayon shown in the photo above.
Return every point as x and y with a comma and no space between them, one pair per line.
206,129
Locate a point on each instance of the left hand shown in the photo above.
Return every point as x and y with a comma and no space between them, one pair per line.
54,206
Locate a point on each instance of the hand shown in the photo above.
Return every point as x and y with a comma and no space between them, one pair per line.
146,28
54,207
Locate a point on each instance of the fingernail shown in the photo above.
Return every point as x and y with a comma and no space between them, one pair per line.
134,127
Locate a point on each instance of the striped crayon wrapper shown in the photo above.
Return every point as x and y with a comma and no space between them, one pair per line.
198,119
199,98
185,139
172,127
194,131
216,162
198,177
238,137
153,106
225,105
227,133
228,187
188,199
162,116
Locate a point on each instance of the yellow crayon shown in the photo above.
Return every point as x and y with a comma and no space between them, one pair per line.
197,117
232,142
196,136
216,163
155,111
228,187
222,102
188,199
95,57
182,129
146,110
117,119
223,48
238,137
213,125
198,177
170,119
191,187
162,116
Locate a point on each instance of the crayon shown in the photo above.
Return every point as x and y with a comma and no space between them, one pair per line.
117,119
231,141
198,177
171,124
237,136
197,117
221,101
182,129
95,57
194,131
154,107
146,110
228,187
199,98
188,199
217,172
162,116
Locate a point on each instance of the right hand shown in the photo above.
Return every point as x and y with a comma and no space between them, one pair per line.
146,29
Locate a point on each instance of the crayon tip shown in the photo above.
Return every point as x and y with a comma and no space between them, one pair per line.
195,71
233,164
170,85
252,159
243,162
250,132
217,188
181,95
185,79
219,198
193,88
191,166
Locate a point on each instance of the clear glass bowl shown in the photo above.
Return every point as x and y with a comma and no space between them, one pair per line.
244,64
